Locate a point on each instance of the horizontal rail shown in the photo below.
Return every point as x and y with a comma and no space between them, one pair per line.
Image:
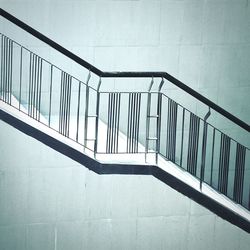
100,73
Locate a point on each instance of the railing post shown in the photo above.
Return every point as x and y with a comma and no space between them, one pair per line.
97,115
86,112
20,79
158,132
50,92
204,145
148,117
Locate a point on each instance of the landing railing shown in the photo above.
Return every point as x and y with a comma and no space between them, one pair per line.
108,120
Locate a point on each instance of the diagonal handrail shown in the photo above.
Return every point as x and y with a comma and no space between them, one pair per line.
100,73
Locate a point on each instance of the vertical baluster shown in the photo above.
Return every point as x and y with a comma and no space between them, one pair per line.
50,92
113,122
118,121
1,83
148,118
61,104
97,117
78,110
39,89
224,163
7,71
64,104
203,154
171,130
65,100
212,158
239,173
34,85
193,144
36,94
86,112
2,67
20,79
134,107
10,70
182,135
108,126
204,147
128,124
30,84
69,103
137,121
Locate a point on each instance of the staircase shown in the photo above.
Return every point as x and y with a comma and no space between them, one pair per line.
127,131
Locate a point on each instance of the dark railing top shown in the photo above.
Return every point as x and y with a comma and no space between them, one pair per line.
100,73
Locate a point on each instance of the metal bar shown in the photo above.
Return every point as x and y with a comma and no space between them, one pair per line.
129,123
10,71
193,144
239,173
108,125
61,103
30,76
78,110
69,103
97,117
50,92
2,67
133,123
204,144
86,111
112,122
148,117
7,71
158,125
40,89
182,136
224,164
203,154
118,122
212,159
171,130
138,121
35,86
134,107
20,79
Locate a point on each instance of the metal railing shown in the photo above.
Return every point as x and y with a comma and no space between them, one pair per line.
145,122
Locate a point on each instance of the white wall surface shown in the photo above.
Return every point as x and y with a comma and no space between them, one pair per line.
48,201
205,43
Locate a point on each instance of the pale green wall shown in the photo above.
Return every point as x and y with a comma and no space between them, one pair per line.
48,201
204,43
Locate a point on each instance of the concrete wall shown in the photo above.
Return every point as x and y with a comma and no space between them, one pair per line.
205,43
48,201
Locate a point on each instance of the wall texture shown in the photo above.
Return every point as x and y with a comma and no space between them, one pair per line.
48,201
205,43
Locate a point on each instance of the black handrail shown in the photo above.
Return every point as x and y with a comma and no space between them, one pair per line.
100,73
